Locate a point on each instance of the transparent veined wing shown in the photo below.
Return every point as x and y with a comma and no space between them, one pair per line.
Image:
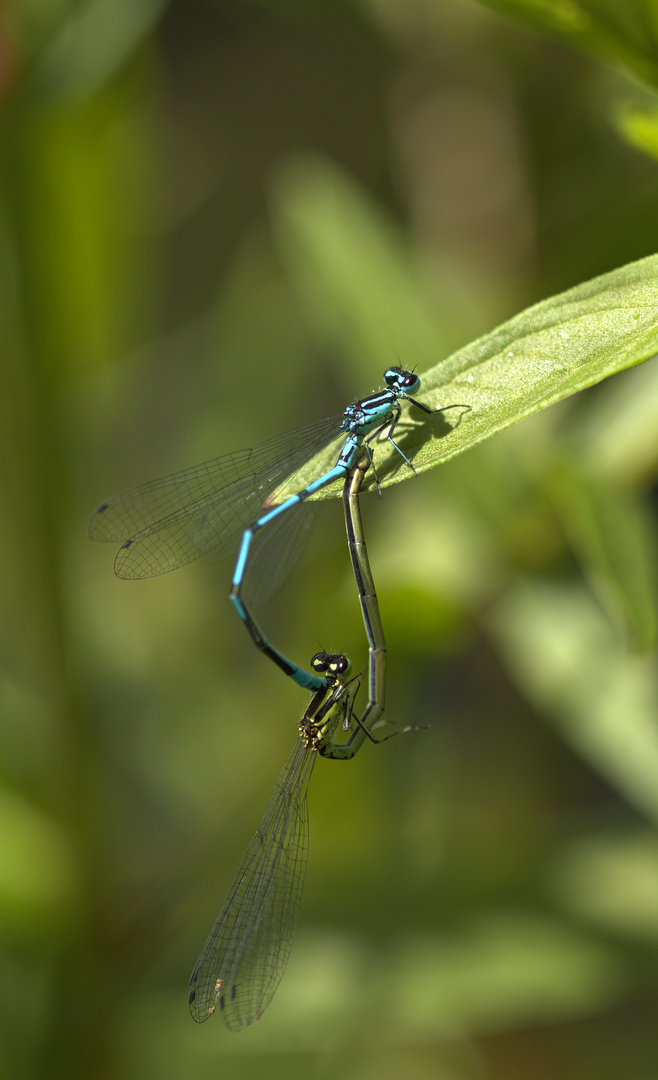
205,509
247,950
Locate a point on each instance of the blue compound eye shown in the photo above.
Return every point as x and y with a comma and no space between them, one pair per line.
392,376
410,382
396,378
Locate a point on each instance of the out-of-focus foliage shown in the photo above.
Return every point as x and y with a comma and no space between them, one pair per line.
219,218
626,34
555,348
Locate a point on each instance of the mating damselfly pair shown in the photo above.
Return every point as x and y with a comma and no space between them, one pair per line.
207,510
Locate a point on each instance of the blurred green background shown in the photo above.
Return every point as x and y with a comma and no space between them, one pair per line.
219,218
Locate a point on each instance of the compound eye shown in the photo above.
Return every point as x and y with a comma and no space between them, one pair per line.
411,382
340,665
392,376
320,662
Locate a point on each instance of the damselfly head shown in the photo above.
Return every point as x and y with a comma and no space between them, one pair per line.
330,664
402,381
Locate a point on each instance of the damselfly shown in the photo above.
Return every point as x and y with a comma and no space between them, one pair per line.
247,950
243,960
204,510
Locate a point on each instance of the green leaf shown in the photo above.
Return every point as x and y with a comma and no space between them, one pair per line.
37,872
611,879
548,352
624,32
614,538
617,435
511,967
569,662
92,44
556,16
354,270
639,124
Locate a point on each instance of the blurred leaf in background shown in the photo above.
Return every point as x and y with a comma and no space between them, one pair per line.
219,218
